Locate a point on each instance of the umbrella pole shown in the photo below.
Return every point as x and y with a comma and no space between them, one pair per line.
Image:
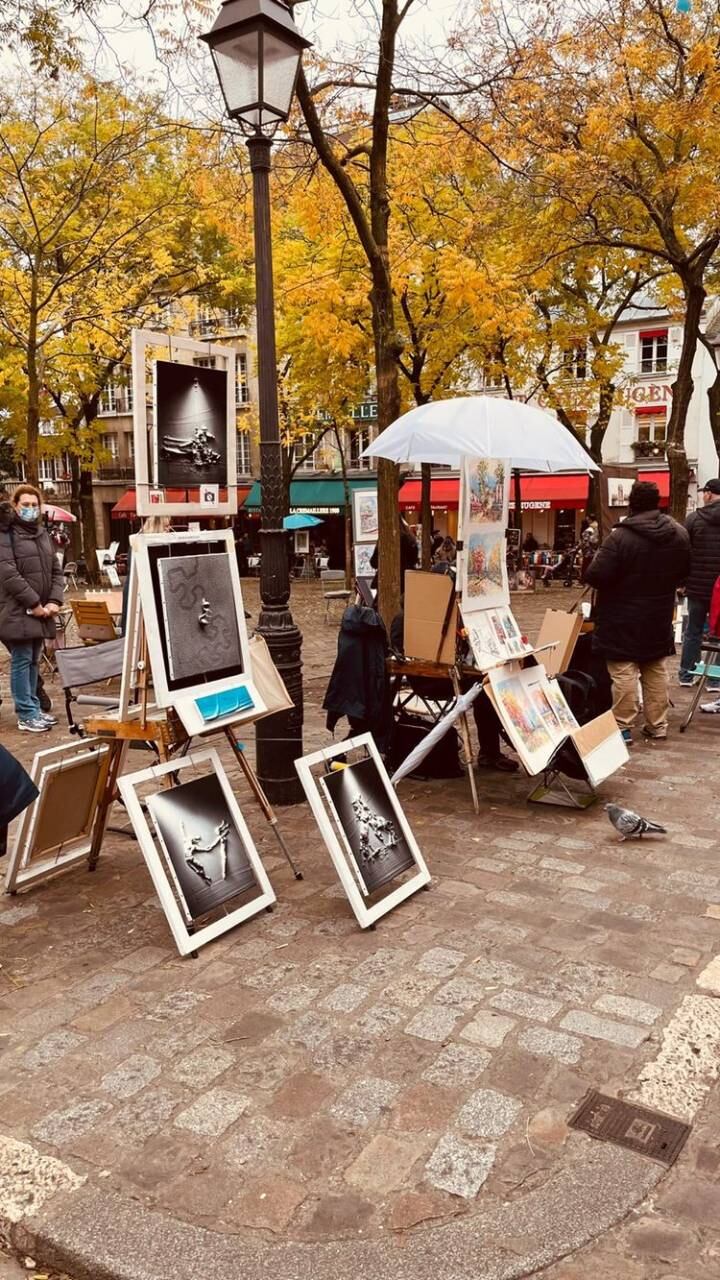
467,744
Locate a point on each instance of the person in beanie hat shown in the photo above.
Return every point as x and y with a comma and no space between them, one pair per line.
636,572
703,526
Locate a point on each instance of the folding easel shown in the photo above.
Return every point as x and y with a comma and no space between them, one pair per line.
138,721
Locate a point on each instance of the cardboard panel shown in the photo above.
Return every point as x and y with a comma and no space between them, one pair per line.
428,598
562,630
601,747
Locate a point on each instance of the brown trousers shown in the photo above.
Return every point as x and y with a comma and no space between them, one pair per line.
653,680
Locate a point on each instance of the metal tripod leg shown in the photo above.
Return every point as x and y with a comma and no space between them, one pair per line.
254,784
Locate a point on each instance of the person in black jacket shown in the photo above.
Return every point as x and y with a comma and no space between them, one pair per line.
703,526
637,571
31,593
17,791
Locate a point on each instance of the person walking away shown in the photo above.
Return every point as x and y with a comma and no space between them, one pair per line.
636,573
703,527
31,593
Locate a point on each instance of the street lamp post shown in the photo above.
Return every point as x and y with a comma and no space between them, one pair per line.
256,49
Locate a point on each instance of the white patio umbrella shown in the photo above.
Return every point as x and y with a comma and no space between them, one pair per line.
444,431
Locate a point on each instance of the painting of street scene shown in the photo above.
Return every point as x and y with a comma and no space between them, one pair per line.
523,714
486,572
486,491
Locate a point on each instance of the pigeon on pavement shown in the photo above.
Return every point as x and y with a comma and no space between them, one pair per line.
629,823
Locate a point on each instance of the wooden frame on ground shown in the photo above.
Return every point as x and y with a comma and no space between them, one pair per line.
56,831
157,855
335,837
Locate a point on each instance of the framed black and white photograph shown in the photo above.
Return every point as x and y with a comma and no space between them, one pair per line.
364,827
56,831
365,816
194,621
197,847
190,424
184,426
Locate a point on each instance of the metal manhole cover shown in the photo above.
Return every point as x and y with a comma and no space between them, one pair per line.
650,1133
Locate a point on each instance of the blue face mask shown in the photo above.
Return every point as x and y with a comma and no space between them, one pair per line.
31,514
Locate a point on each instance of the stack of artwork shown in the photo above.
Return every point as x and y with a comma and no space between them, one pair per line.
56,831
538,720
365,531
484,506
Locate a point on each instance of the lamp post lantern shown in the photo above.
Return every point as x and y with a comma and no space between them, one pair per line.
256,49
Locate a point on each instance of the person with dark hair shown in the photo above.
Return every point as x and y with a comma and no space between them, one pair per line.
31,593
636,572
703,527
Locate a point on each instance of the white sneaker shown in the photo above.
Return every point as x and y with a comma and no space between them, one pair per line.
711,708
34,726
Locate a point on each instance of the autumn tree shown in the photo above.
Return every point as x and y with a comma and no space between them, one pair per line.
613,112
100,224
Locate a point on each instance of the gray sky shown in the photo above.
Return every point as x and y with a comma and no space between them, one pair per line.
334,26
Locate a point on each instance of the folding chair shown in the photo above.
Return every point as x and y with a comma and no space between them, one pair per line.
708,668
81,666
70,575
93,621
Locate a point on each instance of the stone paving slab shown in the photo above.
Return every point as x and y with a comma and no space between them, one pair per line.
307,1082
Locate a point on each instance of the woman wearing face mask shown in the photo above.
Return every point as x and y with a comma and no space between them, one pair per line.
31,593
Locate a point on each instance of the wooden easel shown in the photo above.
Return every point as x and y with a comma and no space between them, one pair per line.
136,721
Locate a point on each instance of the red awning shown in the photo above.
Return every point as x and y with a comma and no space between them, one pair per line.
443,493
558,492
124,508
662,480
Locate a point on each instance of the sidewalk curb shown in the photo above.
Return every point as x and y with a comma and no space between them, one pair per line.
98,1235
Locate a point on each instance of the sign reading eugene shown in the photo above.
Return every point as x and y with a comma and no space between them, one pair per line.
651,393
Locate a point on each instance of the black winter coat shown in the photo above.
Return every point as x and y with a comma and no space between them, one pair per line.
703,526
636,572
359,685
29,575
17,790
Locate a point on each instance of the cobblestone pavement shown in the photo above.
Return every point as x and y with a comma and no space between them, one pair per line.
304,1080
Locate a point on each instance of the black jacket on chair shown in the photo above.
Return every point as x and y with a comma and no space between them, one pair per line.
636,572
359,685
703,527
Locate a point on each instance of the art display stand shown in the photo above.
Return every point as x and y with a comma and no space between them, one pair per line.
559,790
162,730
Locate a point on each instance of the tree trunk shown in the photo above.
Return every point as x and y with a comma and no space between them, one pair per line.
87,517
388,392
75,507
32,428
349,566
682,395
713,396
517,496
426,514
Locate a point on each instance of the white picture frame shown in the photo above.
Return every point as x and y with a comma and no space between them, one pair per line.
167,693
362,554
165,883
150,498
365,515
49,771
331,831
